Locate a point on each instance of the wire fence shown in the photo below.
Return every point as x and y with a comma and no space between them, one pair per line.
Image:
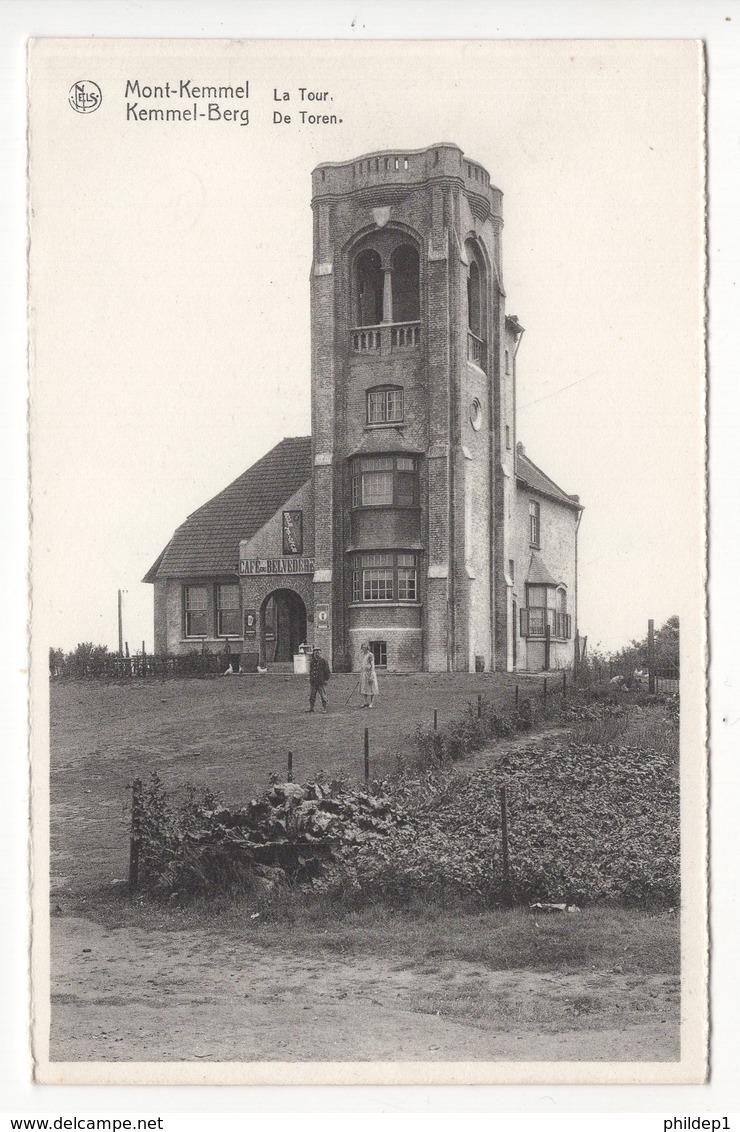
142,665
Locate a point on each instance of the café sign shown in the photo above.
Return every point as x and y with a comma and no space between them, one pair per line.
248,566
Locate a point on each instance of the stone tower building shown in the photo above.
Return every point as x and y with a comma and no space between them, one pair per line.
413,409
411,518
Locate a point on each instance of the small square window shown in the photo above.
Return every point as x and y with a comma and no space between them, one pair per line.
377,584
377,489
385,406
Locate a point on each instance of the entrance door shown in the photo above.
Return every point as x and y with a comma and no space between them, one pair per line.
283,626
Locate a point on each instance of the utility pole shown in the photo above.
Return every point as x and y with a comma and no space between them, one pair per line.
120,622
651,656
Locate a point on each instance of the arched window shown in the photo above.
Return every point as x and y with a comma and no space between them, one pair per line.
368,289
477,291
405,267
474,300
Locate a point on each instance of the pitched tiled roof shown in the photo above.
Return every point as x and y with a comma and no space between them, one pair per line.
533,478
538,574
383,440
207,543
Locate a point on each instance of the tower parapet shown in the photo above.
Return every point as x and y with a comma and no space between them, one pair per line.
393,172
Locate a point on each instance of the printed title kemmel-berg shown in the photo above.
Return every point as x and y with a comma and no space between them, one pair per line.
411,518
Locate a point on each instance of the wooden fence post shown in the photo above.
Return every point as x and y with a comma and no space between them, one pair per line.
290,766
651,656
435,719
135,841
516,698
480,705
544,692
367,754
505,846
565,684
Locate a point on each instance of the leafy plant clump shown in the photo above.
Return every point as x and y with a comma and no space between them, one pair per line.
195,843
593,817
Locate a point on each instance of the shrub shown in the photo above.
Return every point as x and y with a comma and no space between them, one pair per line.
466,733
194,843
593,818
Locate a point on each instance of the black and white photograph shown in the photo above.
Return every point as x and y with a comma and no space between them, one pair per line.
368,559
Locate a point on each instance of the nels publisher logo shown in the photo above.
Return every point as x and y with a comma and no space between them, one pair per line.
85,96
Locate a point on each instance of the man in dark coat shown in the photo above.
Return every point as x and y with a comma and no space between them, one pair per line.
318,675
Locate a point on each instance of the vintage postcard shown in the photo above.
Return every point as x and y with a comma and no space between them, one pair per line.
368,384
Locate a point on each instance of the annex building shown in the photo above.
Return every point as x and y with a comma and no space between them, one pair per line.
412,517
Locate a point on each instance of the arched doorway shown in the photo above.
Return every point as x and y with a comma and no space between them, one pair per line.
282,626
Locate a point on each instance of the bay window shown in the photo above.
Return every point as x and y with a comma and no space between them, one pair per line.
385,576
546,608
384,481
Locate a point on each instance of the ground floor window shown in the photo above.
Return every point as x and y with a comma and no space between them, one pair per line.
379,650
535,619
385,576
196,611
228,611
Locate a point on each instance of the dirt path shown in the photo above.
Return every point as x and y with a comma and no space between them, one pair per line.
126,994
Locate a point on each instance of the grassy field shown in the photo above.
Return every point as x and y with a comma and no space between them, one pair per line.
228,733
296,977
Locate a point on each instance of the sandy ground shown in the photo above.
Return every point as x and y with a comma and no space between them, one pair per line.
126,994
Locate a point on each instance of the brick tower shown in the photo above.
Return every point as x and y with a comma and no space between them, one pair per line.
412,413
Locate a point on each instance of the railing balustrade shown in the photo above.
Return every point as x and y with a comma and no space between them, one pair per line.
405,335
385,337
476,350
366,341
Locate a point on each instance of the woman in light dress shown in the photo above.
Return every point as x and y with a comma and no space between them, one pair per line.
368,677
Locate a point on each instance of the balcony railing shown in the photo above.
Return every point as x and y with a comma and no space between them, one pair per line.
385,338
476,350
534,620
405,335
366,340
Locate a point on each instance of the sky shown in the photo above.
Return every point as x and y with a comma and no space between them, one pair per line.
169,310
